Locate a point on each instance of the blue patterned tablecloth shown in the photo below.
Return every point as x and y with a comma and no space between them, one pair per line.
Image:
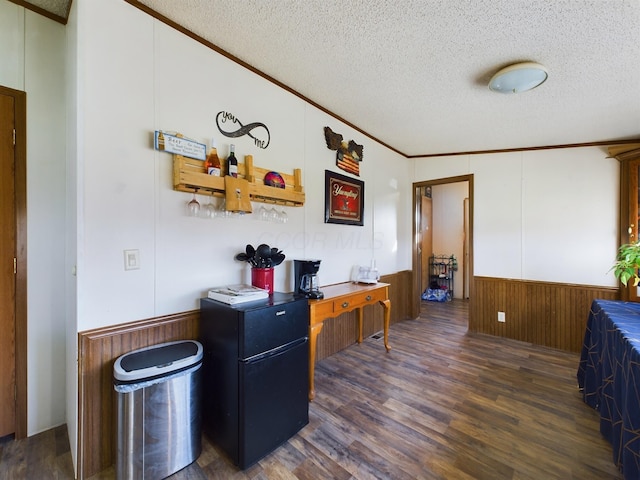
609,377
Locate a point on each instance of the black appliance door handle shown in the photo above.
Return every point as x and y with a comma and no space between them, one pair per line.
274,351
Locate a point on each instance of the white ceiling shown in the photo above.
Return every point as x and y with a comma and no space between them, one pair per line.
413,73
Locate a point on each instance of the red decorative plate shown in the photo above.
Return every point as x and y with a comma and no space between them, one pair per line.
274,179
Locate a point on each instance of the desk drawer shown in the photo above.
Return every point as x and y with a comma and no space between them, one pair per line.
348,303
320,310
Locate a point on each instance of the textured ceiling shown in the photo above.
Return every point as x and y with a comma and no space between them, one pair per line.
58,8
414,73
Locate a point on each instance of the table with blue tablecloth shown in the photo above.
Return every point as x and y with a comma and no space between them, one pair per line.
609,377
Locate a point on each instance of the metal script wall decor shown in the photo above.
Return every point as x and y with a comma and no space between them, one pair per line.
224,117
348,155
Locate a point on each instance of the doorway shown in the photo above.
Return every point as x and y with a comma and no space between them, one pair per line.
13,261
426,219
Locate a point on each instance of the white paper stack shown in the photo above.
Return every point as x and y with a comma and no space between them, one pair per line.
234,294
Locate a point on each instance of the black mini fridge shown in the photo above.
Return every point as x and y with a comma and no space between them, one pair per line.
255,374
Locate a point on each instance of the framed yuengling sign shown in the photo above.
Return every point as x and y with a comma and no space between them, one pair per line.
343,199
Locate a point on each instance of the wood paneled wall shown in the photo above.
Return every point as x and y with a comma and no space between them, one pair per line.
549,314
98,349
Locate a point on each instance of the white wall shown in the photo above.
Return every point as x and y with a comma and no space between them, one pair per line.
46,150
12,45
32,59
545,215
147,76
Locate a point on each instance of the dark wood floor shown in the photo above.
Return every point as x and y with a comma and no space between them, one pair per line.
443,404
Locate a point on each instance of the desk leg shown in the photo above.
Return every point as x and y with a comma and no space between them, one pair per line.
359,313
313,336
387,317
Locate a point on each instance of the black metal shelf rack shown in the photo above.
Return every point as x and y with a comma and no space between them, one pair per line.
441,271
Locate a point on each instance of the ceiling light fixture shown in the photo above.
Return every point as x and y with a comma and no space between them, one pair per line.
518,78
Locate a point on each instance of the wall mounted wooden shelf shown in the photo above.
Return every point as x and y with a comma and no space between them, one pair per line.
188,176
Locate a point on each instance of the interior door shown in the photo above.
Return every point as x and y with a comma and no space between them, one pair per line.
7,267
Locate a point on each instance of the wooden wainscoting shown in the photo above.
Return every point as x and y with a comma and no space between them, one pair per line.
340,332
549,314
97,351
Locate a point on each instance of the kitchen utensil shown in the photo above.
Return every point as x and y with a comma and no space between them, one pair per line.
242,257
264,254
262,257
278,258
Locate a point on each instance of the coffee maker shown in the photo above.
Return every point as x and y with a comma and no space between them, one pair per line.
305,275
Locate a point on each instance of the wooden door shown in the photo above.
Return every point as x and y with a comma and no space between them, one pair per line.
7,267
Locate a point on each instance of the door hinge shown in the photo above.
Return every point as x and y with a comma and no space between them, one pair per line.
14,137
15,265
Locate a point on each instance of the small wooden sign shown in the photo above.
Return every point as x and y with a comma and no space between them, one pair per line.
166,142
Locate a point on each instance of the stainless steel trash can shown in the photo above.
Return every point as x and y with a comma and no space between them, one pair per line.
158,409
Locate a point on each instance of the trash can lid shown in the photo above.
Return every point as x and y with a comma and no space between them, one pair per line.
157,360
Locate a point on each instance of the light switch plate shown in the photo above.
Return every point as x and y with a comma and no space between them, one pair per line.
132,259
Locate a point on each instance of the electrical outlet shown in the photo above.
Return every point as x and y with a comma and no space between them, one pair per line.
501,317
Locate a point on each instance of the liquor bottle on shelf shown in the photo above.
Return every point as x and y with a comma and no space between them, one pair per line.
232,162
212,163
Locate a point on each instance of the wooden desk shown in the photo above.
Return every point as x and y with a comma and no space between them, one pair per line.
339,299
